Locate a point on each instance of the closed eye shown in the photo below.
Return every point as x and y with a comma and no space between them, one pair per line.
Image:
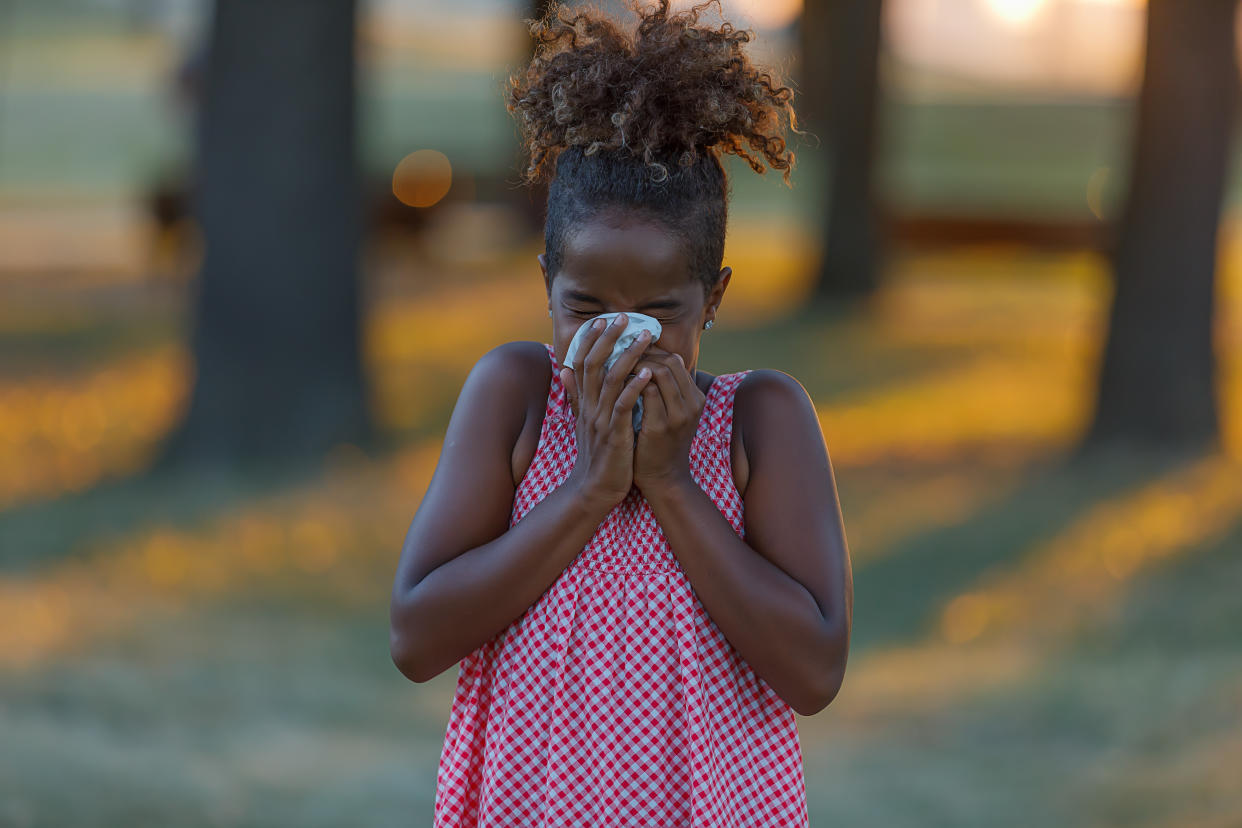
663,320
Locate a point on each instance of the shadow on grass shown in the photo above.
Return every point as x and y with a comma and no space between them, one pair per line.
41,534
82,345
831,351
1188,603
46,532
899,595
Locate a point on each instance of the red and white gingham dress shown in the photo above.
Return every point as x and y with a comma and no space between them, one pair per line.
615,700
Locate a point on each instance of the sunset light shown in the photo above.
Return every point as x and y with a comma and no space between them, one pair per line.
768,14
1016,12
281,363
761,14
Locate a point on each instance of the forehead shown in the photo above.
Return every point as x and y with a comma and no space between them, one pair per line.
625,257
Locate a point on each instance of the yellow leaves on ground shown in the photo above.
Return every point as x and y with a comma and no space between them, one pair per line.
64,434
338,538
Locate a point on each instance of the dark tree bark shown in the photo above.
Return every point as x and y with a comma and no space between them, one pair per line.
1156,383
276,316
840,48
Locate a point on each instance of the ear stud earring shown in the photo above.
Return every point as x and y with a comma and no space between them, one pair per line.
708,324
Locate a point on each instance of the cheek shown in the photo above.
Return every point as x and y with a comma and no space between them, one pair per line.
677,338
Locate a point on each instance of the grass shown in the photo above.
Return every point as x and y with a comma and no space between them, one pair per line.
1035,642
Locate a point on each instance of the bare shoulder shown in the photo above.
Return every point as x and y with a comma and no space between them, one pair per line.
767,397
512,363
767,381
773,416
514,372
520,370
519,373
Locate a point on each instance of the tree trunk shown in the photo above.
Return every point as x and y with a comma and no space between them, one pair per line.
276,316
840,47
1156,382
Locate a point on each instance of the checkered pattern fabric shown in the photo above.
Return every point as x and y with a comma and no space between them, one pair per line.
615,700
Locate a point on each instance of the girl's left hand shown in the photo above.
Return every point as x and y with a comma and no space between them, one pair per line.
672,405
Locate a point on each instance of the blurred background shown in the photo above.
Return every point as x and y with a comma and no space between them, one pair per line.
250,250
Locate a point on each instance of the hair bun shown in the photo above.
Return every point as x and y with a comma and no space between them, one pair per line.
670,90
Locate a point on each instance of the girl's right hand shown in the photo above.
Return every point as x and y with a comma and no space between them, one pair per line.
603,408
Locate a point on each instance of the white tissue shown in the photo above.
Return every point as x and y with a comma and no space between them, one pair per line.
635,324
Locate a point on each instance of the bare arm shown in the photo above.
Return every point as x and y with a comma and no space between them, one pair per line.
464,575
783,597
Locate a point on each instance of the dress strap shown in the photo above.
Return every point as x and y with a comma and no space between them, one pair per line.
718,407
558,400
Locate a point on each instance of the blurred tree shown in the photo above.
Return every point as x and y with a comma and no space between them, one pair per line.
140,14
1156,383
276,315
839,63
533,197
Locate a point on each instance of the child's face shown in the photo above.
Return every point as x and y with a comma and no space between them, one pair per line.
626,264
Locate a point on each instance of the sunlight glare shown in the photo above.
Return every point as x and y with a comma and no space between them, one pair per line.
1015,12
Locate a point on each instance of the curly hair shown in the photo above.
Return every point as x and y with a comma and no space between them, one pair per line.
638,121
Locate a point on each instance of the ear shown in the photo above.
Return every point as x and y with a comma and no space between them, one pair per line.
543,266
717,293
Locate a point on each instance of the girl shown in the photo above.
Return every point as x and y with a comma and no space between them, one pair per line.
637,615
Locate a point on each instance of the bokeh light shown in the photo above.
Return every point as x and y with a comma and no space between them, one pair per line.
422,178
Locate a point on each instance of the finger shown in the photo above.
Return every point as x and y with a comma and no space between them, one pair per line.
666,367
632,354
601,349
655,414
595,327
664,381
690,391
623,408
614,380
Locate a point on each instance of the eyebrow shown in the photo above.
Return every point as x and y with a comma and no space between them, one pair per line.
655,303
